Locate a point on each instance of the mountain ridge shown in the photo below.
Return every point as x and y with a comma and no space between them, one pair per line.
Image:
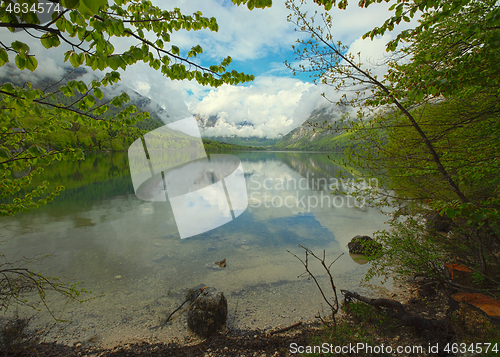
324,130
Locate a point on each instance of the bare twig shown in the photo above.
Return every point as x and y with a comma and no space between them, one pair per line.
334,307
18,282
191,297
286,328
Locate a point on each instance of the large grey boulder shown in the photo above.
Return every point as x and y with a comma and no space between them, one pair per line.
207,314
363,245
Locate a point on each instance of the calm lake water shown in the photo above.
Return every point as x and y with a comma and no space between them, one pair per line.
128,252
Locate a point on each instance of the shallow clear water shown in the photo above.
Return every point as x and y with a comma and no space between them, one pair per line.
129,254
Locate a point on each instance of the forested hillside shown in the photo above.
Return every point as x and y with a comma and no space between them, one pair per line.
243,141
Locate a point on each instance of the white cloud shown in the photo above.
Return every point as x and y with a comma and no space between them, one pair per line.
269,107
372,53
243,34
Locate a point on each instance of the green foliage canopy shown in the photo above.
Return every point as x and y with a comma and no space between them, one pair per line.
431,122
89,29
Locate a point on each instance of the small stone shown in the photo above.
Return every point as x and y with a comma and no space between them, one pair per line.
78,345
221,263
118,277
240,242
210,247
246,247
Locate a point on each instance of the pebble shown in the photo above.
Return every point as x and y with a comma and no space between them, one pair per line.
240,242
118,277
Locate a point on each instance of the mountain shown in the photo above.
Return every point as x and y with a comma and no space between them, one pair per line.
51,84
324,130
206,123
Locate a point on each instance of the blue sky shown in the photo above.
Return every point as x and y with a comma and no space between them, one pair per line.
259,42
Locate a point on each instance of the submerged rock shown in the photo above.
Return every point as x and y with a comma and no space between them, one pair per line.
207,314
363,245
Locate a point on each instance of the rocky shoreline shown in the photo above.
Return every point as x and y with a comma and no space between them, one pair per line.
418,299
230,343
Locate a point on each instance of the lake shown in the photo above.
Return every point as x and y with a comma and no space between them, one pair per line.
129,253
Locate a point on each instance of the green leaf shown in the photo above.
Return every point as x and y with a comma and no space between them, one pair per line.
20,62
4,57
20,47
8,87
98,93
31,63
70,4
46,40
95,5
81,87
4,152
74,59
